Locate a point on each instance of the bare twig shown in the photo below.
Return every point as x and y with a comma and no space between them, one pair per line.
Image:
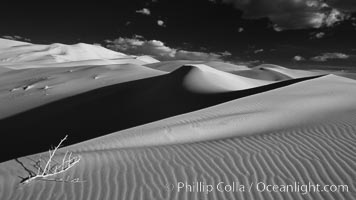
53,167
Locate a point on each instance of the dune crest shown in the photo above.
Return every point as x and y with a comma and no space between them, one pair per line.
26,55
169,66
202,78
293,73
5,43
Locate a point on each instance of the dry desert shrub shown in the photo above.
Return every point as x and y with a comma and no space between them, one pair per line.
47,169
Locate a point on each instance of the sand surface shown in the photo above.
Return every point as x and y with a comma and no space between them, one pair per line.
143,129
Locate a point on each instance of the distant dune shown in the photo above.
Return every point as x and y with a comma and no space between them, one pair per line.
169,66
5,43
142,126
19,55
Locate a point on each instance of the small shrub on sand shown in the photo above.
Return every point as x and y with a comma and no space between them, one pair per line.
47,169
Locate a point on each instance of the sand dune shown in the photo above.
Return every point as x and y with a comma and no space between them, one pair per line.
125,105
5,43
293,73
262,74
143,130
21,90
217,144
25,55
265,72
202,78
169,66
239,117
84,63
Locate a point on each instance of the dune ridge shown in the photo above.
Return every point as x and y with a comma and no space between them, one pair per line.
293,73
6,43
169,66
320,154
17,55
202,78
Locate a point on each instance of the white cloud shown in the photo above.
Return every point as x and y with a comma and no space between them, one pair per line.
295,14
277,28
333,17
298,58
327,56
258,51
160,23
144,11
158,50
317,35
320,35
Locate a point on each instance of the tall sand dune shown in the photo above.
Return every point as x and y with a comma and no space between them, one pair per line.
204,79
128,104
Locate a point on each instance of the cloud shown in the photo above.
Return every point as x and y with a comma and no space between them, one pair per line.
296,14
16,37
327,56
144,11
318,35
298,58
160,23
258,51
158,50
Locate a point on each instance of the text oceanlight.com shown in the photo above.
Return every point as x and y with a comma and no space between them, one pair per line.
201,187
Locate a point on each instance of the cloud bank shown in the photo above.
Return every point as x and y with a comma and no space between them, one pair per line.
328,56
296,14
158,50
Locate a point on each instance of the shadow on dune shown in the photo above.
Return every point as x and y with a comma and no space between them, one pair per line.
109,109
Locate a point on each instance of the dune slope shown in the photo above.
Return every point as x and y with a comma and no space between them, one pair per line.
25,89
125,105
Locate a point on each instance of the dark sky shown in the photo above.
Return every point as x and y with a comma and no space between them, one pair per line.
282,28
